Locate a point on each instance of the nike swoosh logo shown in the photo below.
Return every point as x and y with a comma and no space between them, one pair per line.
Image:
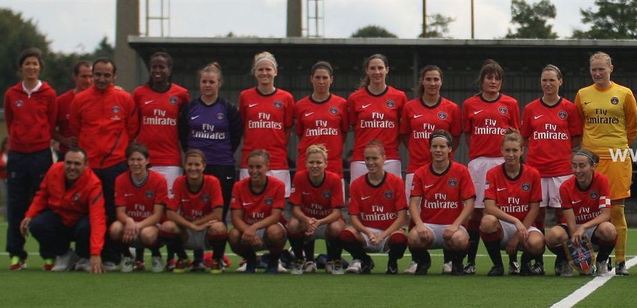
246,203
476,112
416,116
251,105
128,195
148,102
576,202
365,198
365,106
427,186
228,178
537,117
192,118
309,114
586,103
305,193
501,189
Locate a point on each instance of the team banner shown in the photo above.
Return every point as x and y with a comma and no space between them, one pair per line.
580,257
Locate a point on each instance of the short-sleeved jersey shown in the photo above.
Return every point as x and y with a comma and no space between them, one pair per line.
587,202
317,201
377,206
514,196
443,194
486,122
194,205
609,116
158,116
266,121
376,117
257,206
140,201
419,121
550,131
322,123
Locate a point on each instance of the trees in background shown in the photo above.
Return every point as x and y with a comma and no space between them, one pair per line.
611,19
532,20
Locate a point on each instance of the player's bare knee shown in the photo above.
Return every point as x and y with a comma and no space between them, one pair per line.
116,230
606,232
335,228
275,233
489,224
535,243
148,236
556,236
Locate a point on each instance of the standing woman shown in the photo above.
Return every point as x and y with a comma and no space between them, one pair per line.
486,117
321,118
609,113
551,127
512,201
267,113
213,125
30,112
159,103
374,112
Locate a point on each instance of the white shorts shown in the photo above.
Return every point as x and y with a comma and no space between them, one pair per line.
438,230
261,234
509,230
551,191
478,168
589,232
282,175
369,247
409,182
170,173
357,168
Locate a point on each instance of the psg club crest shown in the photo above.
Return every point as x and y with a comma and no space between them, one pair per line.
268,201
390,103
453,182
116,109
526,186
278,104
149,194
333,110
205,198
594,195
220,116
503,110
442,115
614,100
389,194
327,194
562,114
76,197
19,103
172,100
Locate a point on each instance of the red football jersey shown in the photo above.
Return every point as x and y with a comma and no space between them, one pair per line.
322,122
376,117
317,201
158,115
419,121
585,202
140,201
550,130
443,195
257,207
486,122
64,115
377,206
193,206
513,196
266,121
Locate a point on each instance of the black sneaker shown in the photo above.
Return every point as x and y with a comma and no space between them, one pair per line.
496,270
537,269
367,265
423,265
620,269
525,269
457,269
469,269
392,267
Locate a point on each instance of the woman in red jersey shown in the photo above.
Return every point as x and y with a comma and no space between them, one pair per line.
194,214
374,113
441,201
551,127
257,205
512,201
321,118
30,111
378,213
140,197
486,117
586,207
267,114
317,199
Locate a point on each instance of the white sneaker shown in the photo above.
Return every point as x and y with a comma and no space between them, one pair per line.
65,262
337,267
447,267
281,268
354,267
297,268
127,264
309,267
83,265
157,265
601,268
566,270
242,268
109,266
411,268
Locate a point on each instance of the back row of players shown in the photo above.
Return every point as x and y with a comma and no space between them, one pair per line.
103,120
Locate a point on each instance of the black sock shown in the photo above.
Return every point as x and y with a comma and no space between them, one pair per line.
355,249
493,248
604,252
297,247
308,249
155,251
218,249
396,251
447,256
456,258
126,251
472,251
139,254
513,257
273,262
526,258
334,249
177,247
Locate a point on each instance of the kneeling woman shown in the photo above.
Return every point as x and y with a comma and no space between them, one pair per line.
586,209
195,214
512,202
378,213
317,199
441,201
140,197
257,205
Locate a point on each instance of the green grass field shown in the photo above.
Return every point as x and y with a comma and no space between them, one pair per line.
33,287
